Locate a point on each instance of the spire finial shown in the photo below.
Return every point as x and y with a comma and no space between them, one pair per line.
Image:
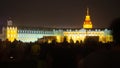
87,11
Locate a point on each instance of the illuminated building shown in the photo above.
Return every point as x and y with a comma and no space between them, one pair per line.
32,34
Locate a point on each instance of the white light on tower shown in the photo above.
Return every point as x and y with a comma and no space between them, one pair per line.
9,21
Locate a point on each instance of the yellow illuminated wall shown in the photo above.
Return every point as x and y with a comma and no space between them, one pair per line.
80,36
58,39
11,33
75,36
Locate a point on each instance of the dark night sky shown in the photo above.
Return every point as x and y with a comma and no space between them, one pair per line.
59,13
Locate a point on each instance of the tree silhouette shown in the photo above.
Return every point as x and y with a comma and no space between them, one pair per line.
115,27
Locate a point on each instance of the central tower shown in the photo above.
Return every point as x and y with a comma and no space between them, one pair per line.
11,31
87,23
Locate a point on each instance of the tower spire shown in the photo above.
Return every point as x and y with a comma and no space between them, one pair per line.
87,23
87,11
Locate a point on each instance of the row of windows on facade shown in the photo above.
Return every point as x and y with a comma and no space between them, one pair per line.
84,33
35,32
11,28
24,36
106,31
12,35
51,32
84,30
71,30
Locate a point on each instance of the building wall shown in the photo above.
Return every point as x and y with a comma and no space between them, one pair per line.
32,35
11,33
80,35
